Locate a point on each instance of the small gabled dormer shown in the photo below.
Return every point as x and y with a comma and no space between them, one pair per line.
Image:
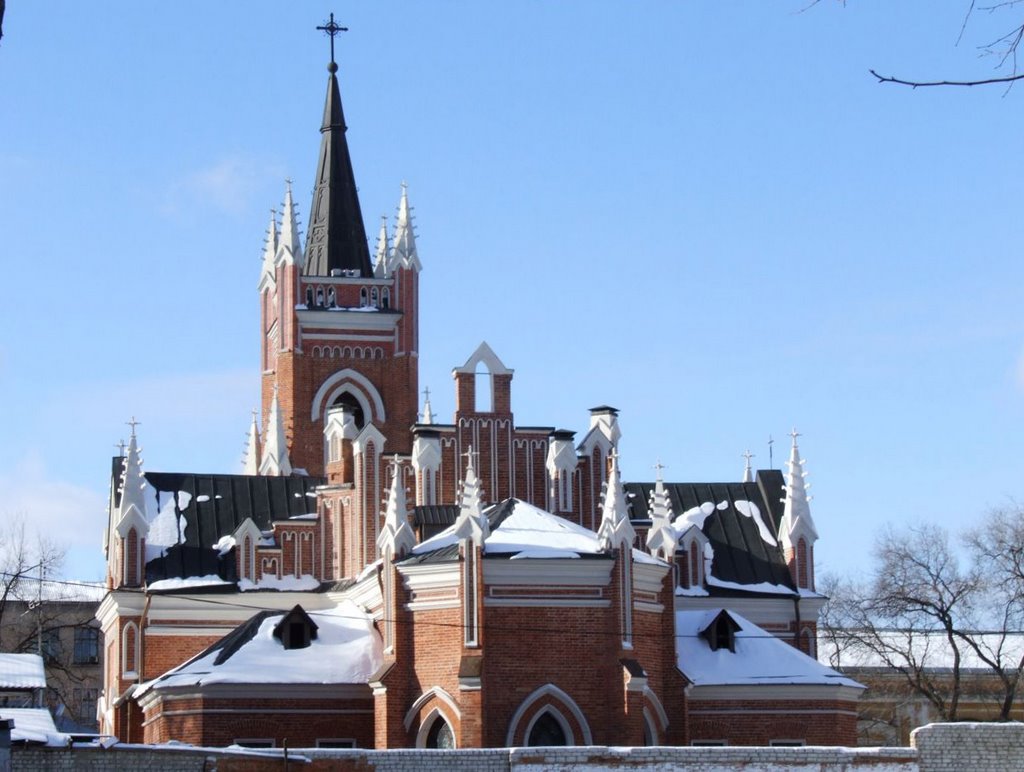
296,629
720,633
690,565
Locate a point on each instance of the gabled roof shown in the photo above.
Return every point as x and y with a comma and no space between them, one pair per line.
741,524
32,725
760,658
214,506
346,650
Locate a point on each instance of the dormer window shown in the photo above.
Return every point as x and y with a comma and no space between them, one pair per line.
296,629
721,632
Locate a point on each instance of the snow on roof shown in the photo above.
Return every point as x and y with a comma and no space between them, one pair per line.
179,583
53,590
759,658
30,724
347,650
22,671
929,648
518,527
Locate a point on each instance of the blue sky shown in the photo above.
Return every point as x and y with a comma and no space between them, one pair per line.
706,214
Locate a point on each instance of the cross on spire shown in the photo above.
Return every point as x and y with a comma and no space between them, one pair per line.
794,434
748,455
120,445
332,28
133,423
426,393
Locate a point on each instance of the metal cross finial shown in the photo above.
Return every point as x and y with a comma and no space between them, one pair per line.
794,434
332,28
120,445
771,442
748,455
133,423
470,455
395,465
426,394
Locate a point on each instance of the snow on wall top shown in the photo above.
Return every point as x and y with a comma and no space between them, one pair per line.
347,650
760,657
31,724
22,671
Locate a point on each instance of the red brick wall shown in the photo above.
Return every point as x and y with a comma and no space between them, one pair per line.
758,722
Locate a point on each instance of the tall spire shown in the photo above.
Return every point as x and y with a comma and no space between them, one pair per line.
615,528
404,254
396,535
275,459
427,416
269,249
336,239
251,462
796,514
383,254
290,246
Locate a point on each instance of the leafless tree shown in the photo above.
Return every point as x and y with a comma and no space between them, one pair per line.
24,559
1003,49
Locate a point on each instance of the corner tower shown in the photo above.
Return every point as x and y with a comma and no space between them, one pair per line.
335,333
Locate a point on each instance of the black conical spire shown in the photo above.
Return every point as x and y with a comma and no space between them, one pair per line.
336,239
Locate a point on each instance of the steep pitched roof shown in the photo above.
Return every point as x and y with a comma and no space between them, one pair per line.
213,506
741,523
22,671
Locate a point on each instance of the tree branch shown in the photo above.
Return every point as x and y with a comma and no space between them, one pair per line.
924,84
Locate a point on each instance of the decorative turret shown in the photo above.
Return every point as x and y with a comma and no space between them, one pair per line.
275,449
404,254
251,461
471,523
336,241
797,527
380,263
131,524
427,416
396,537
615,530
662,537
560,463
289,251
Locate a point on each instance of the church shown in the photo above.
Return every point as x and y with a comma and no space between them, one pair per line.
377,577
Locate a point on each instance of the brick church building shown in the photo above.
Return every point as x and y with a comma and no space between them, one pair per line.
379,578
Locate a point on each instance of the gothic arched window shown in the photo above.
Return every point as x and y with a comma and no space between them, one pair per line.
440,735
547,730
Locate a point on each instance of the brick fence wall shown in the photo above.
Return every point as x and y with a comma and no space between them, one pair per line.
937,748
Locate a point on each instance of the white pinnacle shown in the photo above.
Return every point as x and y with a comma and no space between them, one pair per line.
471,523
427,417
132,481
275,450
380,264
251,462
615,529
404,254
748,472
290,247
662,537
796,514
396,536
270,248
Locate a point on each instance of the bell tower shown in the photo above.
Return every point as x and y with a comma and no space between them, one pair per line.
338,331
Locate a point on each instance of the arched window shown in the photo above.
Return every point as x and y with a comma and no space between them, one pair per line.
352,406
440,735
547,730
801,563
373,296
319,297
330,298
385,298
362,296
309,297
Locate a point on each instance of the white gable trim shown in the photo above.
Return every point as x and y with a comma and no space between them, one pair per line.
485,354
567,701
356,384
423,699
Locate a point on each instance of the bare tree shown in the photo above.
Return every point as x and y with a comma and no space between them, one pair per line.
1003,49
24,559
925,624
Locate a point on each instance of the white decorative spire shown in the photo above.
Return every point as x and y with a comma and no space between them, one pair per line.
662,537
427,416
615,529
396,536
132,481
290,247
796,515
251,462
471,523
404,254
748,472
380,263
275,449
269,250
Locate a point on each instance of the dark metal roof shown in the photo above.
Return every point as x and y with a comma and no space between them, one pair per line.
227,500
435,514
741,555
336,237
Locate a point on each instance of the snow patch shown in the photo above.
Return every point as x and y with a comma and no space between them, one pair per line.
694,516
224,545
166,528
749,509
203,498
285,583
545,552
184,583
